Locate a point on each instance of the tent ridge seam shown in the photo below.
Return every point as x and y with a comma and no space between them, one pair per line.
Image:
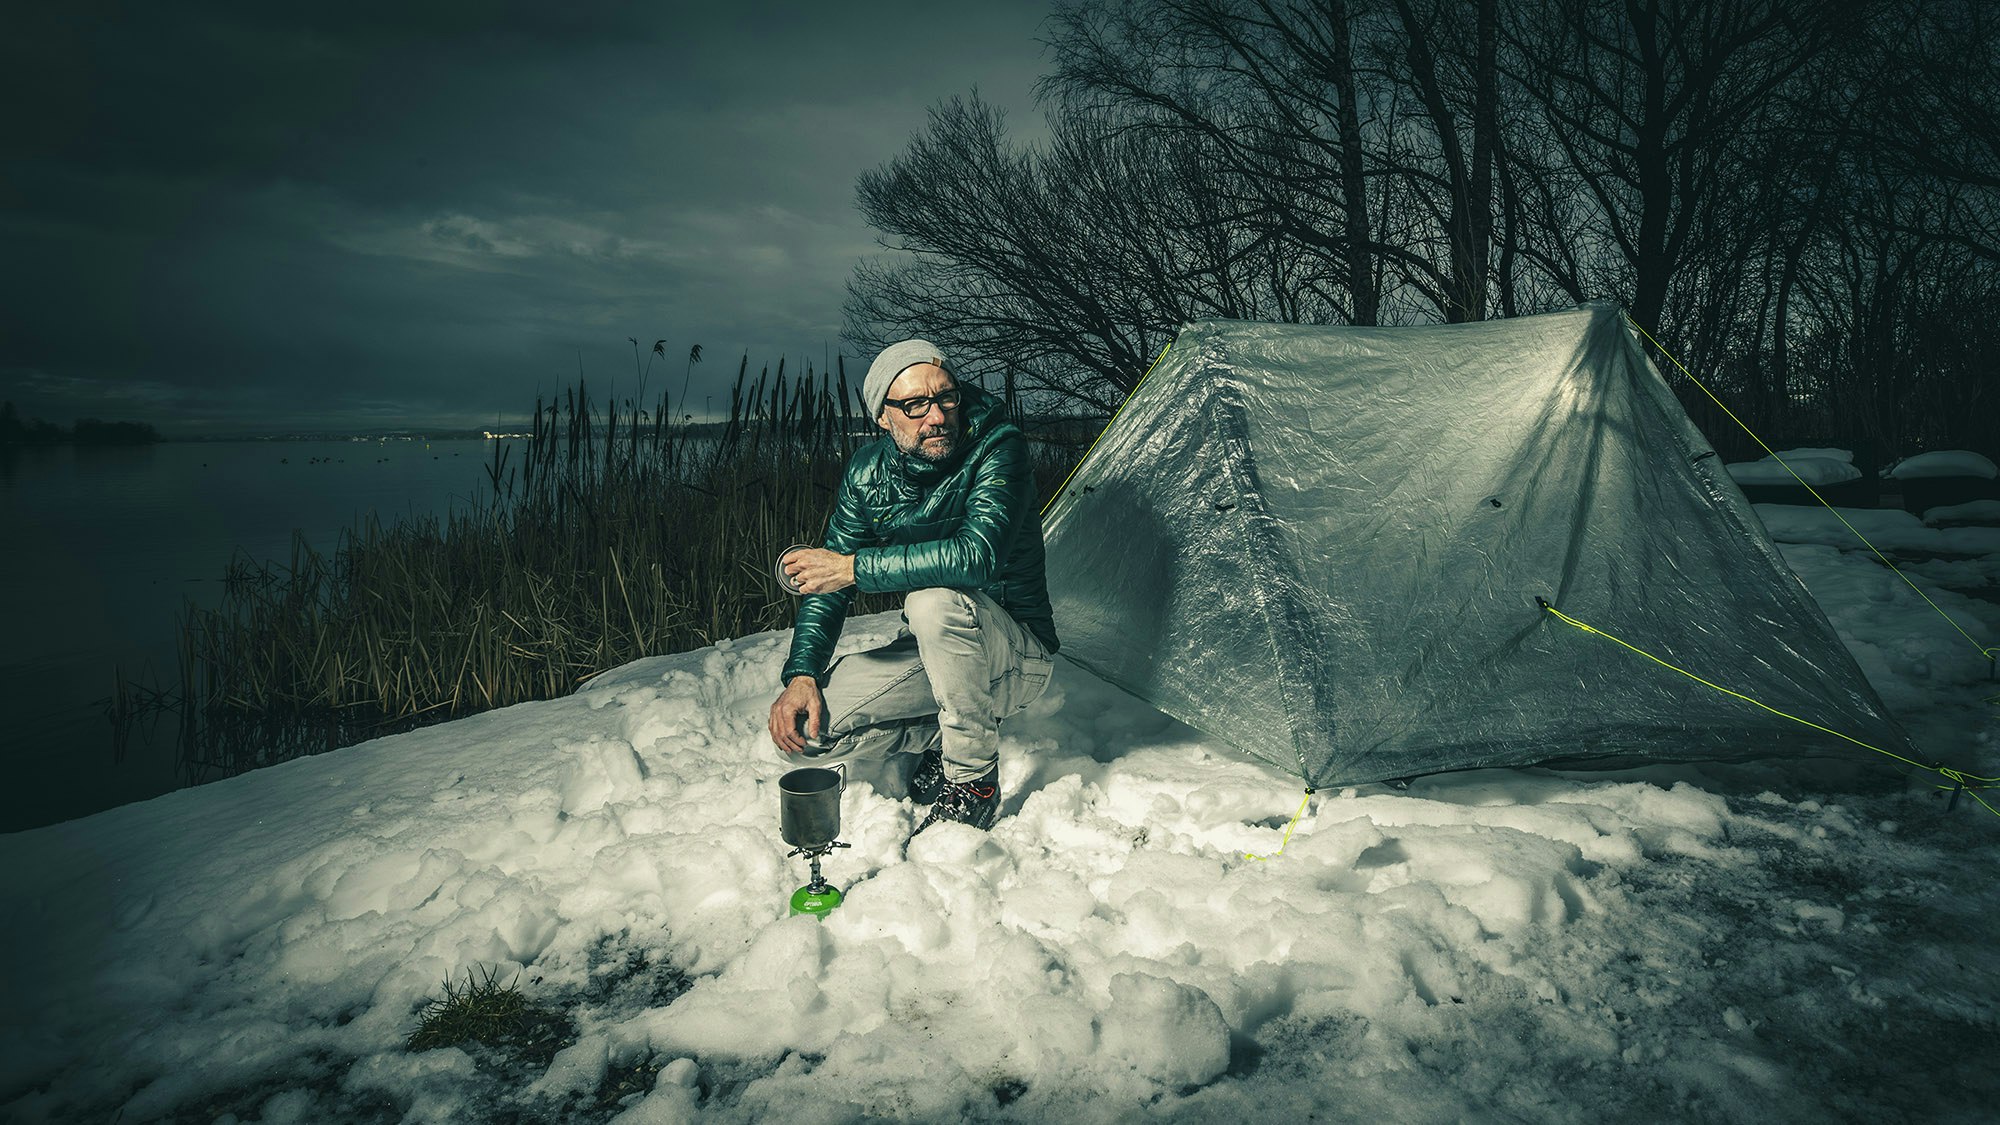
1230,419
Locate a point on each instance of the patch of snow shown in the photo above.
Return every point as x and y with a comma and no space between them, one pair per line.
1972,511
1889,529
1823,452
1815,471
1944,463
674,1100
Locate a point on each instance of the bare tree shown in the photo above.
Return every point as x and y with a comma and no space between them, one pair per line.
1449,159
1647,102
1781,189
1070,267
1934,108
1867,234
1273,92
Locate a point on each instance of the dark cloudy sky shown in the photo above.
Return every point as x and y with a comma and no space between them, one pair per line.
238,216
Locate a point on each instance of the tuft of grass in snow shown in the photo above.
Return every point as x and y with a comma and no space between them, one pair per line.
482,1010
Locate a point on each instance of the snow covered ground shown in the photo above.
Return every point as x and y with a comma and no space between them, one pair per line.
1783,942
1822,465
1816,466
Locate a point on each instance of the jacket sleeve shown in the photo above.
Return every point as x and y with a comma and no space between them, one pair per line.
999,500
821,616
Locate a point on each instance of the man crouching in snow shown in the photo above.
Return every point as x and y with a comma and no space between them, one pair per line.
942,507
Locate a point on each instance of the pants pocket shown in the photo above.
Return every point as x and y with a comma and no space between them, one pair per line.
1023,685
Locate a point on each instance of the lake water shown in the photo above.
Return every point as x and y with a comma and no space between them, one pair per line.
103,547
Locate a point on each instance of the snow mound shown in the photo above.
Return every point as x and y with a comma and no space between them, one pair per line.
1972,511
1815,466
1944,463
1889,529
1821,452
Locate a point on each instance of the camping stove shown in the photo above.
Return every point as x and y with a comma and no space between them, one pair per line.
809,819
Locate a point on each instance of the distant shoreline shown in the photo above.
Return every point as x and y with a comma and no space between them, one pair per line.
42,435
213,439
89,431
356,436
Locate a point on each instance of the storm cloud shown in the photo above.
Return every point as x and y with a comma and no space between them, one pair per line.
235,216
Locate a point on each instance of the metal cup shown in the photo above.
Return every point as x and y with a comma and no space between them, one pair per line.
809,805
778,568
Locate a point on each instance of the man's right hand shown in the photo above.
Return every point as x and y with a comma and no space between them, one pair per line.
800,697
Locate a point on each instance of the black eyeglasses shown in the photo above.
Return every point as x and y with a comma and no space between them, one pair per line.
921,405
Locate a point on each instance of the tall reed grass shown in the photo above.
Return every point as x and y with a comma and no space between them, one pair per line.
610,535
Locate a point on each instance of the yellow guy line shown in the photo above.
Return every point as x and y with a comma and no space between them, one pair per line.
1057,495
1295,824
1959,778
1989,653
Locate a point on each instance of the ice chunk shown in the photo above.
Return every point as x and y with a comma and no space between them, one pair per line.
674,1099
1168,1031
597,772
576,1069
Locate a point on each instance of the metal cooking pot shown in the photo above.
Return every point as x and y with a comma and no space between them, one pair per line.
809,805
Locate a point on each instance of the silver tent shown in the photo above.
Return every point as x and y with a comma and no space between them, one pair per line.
1324,546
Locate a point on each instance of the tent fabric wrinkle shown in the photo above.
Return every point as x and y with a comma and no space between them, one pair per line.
1324,546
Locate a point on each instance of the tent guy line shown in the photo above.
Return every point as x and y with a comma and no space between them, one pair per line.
1107,428
1960,779
1989,653
1303,802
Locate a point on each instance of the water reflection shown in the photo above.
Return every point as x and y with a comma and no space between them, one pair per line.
106,544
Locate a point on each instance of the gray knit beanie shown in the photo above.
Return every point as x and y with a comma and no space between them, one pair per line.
890,364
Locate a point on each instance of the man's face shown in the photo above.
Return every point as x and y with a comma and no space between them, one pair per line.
934,434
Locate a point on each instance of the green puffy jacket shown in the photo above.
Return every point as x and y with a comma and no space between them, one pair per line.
970,522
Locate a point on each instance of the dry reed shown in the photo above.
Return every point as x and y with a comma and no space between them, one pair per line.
616,534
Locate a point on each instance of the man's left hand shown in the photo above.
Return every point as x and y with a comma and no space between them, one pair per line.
818,571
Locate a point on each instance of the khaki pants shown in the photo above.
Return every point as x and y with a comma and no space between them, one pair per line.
960,665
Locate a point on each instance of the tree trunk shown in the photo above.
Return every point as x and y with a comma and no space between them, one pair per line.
1353,185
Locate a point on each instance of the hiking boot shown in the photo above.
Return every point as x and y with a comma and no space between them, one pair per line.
928,777
975,802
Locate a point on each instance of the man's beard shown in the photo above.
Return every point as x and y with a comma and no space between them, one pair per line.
937,451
